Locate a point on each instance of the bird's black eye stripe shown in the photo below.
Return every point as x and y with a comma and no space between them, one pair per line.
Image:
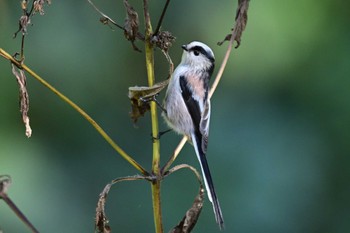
198,49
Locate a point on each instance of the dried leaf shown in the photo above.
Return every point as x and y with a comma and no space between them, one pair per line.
140,97
131,27
39,6
240,24
101,221
24,97
24,21
24,5
188,222
5,182
131,24
138,109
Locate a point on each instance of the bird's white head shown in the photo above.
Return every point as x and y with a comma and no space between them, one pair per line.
199,55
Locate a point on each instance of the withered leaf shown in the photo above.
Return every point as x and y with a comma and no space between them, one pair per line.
23,23
101,221
39,6
24,97
188,222
240,23
5,182
140,97
131,24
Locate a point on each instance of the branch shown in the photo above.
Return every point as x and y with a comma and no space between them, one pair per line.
222,67
99,129
161,17
174,156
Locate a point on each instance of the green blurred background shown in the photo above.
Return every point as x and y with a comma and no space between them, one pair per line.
280,127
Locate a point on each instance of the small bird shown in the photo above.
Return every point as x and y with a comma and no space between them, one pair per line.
187,107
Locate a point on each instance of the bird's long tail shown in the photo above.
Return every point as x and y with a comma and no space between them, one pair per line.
209,185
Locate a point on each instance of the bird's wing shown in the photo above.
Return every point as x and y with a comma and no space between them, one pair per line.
191,103
200,117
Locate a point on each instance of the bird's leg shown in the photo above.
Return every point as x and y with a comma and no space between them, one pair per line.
160,134
153,98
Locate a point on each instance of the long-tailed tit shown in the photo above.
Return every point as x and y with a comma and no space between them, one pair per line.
187,107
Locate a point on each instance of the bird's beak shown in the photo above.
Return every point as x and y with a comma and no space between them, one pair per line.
184,47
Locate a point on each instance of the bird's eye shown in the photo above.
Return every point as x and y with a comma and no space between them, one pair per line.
196,53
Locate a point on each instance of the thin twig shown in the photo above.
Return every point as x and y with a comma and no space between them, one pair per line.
5,182
161,18
222,67
18,212
31,9
174,155
105,16
22,48
181,166
130,178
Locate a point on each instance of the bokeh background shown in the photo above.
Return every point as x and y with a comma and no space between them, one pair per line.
280,128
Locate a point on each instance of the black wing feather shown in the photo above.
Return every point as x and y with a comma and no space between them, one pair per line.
191,104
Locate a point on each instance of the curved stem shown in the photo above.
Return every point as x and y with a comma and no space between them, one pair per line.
222,67
78,109
175,154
